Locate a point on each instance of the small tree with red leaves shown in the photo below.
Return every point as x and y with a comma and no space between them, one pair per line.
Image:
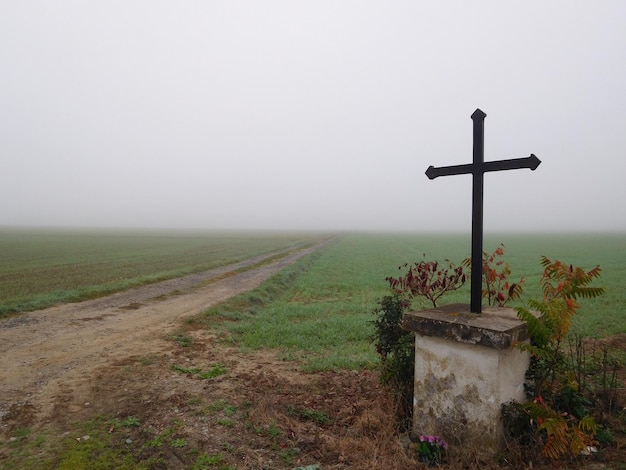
496,286
428,279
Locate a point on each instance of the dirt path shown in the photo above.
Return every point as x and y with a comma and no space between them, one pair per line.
49,352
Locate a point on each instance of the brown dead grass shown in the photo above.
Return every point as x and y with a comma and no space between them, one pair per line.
261,414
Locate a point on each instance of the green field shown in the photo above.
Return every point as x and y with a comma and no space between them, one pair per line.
323,312
338,286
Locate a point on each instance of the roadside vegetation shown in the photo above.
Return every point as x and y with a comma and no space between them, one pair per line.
316,315
574,386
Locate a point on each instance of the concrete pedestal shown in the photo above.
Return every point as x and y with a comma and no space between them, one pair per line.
465,369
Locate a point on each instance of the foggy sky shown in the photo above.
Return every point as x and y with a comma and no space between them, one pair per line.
310,114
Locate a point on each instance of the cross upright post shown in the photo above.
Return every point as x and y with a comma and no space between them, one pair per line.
478,154
477,169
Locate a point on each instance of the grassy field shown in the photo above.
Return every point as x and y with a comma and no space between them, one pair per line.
320,310
341,285
43,268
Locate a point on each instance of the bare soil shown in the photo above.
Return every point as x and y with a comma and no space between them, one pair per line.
115,357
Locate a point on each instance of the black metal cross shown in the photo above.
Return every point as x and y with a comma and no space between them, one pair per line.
477,169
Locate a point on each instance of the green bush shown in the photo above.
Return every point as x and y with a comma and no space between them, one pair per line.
397,352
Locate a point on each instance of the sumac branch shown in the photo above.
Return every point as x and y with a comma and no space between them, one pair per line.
428,279
495,273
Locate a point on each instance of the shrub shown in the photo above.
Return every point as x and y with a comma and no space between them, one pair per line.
558,410
395,346
495,273
428,279
397,352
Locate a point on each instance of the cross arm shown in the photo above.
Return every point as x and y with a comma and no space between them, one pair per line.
531,162
434,172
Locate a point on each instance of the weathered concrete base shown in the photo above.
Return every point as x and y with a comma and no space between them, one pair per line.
465,369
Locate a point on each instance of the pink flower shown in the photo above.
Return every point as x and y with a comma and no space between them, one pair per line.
434,440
